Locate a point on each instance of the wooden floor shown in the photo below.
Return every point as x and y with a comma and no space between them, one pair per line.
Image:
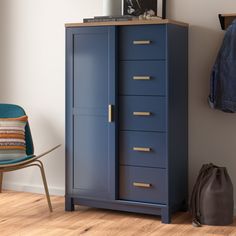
26,214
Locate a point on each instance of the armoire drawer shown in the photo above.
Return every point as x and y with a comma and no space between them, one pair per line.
142,78
143,184
142,113
146,149
142,42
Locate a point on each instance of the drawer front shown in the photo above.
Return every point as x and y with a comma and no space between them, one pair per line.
143,184
142,42
142,78
142,113
142,149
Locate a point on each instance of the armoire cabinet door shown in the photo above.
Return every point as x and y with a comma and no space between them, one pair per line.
94,92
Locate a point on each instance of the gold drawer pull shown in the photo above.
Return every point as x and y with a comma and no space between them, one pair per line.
141,42
141,149
140,113
110,113
141,78
141,185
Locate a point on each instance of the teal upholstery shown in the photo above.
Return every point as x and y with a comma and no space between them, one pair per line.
13,111
8,162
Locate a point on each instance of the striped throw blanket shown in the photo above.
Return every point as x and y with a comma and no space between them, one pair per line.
12,137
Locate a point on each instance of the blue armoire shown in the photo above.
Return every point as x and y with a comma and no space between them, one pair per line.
127,116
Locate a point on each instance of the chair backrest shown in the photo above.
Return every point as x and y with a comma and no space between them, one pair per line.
12,111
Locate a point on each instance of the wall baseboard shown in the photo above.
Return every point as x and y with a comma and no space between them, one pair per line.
33,188
40,189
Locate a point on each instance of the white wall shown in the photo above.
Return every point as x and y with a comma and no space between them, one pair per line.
32,75
212,134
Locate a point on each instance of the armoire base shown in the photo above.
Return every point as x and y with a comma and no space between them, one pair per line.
121,205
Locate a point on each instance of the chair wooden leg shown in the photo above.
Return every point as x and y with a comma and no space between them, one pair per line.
45,184
1,178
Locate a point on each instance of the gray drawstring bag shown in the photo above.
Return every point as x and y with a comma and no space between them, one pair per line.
212,197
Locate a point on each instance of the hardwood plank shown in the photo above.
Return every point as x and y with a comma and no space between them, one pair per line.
27,214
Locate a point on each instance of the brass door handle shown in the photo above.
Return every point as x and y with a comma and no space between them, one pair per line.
141,149
141,42
141,78
110,113
141,185
141,113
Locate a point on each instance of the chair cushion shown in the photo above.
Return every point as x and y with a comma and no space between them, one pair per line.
15,161
12,138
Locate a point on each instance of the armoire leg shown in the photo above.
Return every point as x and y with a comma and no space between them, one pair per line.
165,216
69,204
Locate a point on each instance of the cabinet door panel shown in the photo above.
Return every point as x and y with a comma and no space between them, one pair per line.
91,162
91,71
94,89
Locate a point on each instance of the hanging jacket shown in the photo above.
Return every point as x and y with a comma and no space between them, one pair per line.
223,77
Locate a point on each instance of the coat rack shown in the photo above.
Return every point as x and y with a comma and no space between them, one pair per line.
226,20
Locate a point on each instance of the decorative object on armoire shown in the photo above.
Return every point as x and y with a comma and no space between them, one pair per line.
15,135
226,20
108,18
223,77
111,7
144,8
127,116
212,201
